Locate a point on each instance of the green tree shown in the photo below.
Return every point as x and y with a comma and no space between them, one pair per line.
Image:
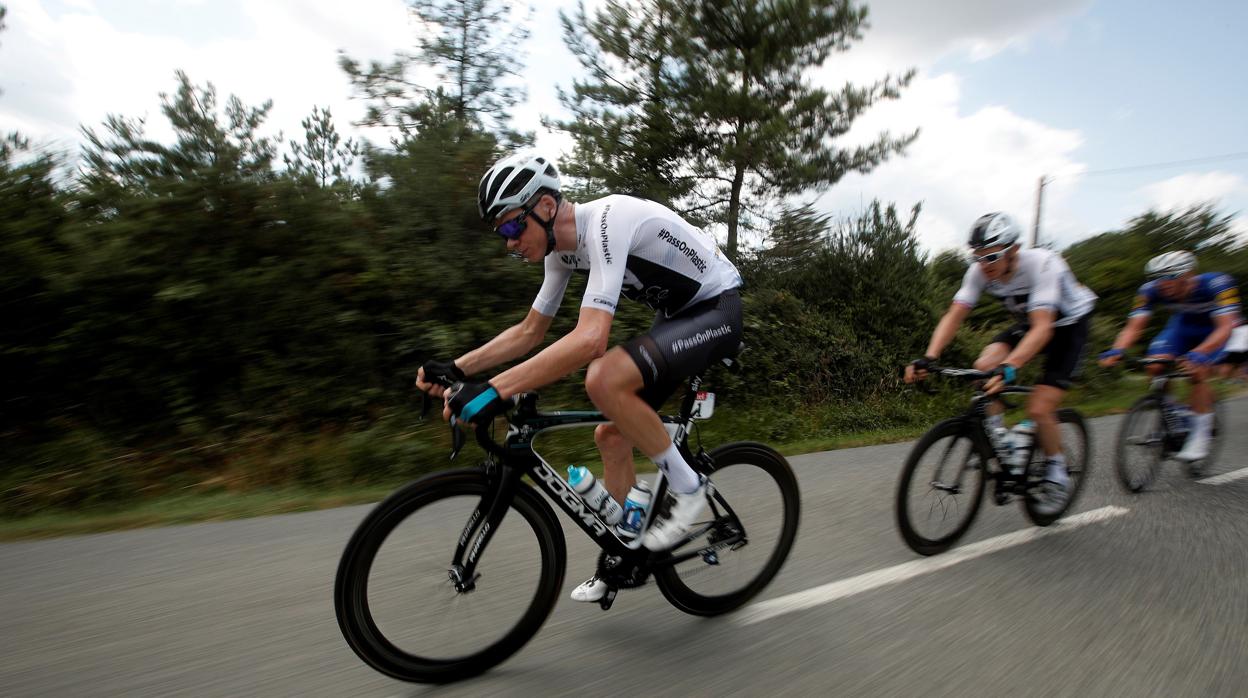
323,157
744,120
471,45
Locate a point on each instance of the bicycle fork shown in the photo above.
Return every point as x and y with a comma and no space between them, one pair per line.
486,517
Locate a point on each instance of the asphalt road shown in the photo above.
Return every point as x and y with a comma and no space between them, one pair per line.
1148,598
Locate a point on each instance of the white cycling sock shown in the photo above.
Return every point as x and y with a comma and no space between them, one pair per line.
680,476
1202,424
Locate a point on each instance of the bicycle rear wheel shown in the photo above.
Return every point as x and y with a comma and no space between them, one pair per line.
1075,449
941,488
396,605
754,486
1141,445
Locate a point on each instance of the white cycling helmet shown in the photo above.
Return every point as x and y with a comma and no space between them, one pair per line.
1170,264
512,181
994,229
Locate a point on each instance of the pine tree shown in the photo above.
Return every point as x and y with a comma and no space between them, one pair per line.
323,157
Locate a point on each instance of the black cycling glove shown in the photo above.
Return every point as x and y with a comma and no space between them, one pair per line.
443,373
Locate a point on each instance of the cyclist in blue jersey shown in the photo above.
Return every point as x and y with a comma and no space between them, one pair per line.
1205,311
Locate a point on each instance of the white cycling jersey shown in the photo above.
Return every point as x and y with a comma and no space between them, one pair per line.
639,249
1041,279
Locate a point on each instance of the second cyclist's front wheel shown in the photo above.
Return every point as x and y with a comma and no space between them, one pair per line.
753,515
941,487
397,606
1141,445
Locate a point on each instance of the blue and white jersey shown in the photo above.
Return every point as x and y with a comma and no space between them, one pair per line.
1215,294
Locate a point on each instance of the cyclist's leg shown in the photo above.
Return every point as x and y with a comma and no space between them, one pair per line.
1063,362
630,382
1166,345
618,473
993,356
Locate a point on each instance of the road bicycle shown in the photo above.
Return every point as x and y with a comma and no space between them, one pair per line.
1155,430
454,573
944,479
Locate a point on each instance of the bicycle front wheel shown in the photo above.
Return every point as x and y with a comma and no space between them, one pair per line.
1141,445
756,507
941,488
397,606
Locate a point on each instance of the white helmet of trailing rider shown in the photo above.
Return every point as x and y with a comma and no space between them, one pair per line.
1170,264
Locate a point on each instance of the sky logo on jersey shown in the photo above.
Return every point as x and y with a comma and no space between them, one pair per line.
666,236
602,234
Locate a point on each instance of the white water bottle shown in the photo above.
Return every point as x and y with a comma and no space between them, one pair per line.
595,495
1020,439
635,507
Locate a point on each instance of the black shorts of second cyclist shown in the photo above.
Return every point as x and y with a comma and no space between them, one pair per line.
1063,355
1234,358
685,344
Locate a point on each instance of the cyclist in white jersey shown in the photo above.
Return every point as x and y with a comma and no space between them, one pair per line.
626,246
1051,310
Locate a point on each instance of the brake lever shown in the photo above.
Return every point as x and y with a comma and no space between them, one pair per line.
457,437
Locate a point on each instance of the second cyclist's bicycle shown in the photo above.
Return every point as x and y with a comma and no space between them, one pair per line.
454,573
1155,430
943,482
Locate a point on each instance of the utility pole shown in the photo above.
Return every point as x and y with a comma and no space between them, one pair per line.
1035,231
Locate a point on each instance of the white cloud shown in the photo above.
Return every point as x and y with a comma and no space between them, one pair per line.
1192,189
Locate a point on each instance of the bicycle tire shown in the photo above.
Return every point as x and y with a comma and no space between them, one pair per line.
674,582
920,542
351,588
1078,467
1146,410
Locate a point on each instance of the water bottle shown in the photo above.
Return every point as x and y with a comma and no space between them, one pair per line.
634,511
595,495
1001,442
1020,439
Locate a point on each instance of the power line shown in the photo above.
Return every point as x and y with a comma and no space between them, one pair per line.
1159,165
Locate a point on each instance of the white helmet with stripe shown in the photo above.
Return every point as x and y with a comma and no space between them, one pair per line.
513,181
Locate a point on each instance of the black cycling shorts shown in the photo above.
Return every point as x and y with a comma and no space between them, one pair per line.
685,344
1063,356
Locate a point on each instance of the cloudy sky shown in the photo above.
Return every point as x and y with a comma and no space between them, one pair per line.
1007,91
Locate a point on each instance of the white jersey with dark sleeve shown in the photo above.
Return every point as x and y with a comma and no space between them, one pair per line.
641,250
1041,280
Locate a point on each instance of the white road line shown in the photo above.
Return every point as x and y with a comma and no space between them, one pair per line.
827,593
1225,477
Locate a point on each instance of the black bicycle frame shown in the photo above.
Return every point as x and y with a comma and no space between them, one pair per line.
515,457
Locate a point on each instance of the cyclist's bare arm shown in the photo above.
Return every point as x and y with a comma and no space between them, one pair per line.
1131,332
511,343
586,342
941,336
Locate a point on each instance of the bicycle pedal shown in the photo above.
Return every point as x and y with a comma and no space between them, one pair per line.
608,598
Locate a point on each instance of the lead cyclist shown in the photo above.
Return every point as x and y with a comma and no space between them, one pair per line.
628,247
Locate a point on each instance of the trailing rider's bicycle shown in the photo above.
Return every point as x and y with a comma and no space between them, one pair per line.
1155,430
454,573
942,484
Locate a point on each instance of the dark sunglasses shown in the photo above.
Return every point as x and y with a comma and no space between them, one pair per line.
990,257
513,228
1164,277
